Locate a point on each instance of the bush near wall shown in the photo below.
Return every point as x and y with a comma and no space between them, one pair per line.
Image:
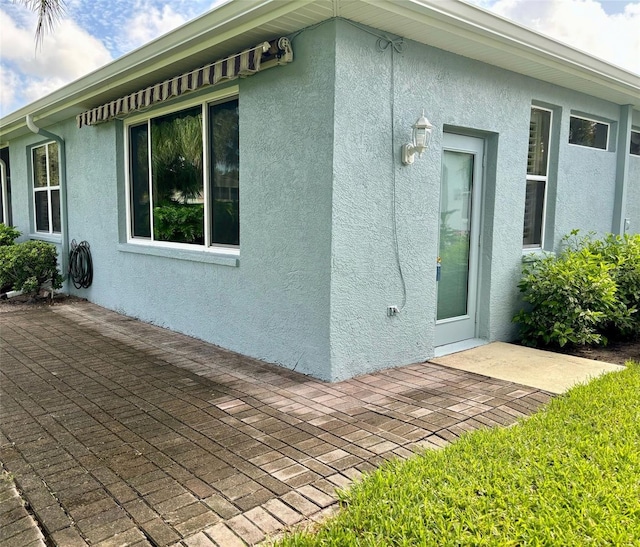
26,266
8,235
588,292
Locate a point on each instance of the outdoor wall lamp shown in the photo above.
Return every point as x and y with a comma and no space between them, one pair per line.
421,135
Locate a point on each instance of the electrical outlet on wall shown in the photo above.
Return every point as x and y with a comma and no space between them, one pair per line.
392,310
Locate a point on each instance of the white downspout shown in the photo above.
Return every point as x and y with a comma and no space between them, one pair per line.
64,259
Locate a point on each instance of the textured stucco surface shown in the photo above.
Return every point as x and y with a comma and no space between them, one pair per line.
320,155
632,211
633,195
380,90
275,304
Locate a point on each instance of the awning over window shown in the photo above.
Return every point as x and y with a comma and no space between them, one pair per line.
245,63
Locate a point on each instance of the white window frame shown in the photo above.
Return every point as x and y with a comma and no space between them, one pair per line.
218,97
541,178
602,122
48,188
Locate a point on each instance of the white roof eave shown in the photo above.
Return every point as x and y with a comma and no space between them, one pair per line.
451,25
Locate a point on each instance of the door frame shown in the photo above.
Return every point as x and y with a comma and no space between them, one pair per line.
458,329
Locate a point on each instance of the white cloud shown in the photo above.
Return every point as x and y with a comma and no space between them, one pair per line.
67,54
9,83
151,22
583,24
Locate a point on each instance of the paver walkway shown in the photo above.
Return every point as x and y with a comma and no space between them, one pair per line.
122,433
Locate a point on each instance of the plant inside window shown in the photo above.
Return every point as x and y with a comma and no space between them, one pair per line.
168,198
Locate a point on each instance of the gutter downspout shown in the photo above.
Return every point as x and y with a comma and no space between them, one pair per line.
620,223
64,259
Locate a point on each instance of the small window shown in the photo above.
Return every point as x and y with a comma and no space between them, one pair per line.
46,188
590,133
184,179
634,146
537,178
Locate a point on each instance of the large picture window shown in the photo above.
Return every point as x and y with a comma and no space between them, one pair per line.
537,177
46,188
184,176
590,133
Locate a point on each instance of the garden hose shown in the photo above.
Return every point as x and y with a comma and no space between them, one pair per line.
80,265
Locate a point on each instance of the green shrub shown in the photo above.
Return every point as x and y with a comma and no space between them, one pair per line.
586,292
624,253
27,266
8,234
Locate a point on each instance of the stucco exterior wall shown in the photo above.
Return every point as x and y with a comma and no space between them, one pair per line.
380,93
632,210
633,195
334,229
274,305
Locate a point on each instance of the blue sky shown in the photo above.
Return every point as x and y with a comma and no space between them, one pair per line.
93,33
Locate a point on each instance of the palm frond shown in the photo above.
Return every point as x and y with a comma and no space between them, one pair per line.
49,12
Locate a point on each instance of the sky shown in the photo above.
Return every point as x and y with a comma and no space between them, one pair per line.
93,33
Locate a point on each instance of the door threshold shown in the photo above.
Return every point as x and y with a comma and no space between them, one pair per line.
447,349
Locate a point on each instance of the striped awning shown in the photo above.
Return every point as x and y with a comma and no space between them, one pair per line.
245,63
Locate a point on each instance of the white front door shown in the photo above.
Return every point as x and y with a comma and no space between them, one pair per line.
459,238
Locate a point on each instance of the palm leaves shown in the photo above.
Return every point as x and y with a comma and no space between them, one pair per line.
48,11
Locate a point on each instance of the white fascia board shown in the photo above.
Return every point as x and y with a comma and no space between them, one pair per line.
231,19
479,25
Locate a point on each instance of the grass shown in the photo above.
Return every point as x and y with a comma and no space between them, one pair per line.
569,476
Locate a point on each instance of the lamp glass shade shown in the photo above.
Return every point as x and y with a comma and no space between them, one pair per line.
421,134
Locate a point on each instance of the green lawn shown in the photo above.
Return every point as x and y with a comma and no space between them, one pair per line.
567,476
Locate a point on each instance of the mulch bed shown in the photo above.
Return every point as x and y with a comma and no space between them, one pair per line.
616,351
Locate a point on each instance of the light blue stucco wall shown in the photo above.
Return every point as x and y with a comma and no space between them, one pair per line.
379,95
320,146
633,195
274,305
632,211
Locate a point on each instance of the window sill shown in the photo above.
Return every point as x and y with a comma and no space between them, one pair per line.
207,257
532,255
49,238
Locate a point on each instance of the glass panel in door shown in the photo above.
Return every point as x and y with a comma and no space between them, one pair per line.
459,239
455,233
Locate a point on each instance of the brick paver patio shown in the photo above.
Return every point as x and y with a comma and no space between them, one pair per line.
117,432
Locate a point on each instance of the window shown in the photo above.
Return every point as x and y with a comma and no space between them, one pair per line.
585,132
184,177
5,186
537,177
634,146
46,188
